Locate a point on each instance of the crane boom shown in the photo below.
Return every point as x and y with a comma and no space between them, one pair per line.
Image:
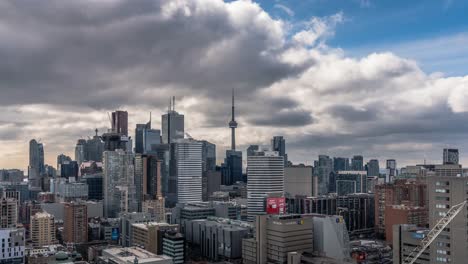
435,231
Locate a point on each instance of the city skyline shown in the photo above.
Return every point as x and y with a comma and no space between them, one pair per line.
289,81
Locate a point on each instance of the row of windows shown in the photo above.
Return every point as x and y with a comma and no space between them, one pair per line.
442,190
443,252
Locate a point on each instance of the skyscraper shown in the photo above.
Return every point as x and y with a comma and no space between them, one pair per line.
94,148
373,168
80,151
119,183
139,143
340,164
232,167
450,156
265,178
391,170
357,163
36,163
172,125
323,169
278,143
120,122
185,178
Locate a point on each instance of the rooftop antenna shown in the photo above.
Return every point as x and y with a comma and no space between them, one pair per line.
96,130
150,121
170,105
173,103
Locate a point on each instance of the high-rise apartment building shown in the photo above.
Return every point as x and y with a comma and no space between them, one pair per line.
172,125
8,212
119,183
357,163
276,236
450,156
185,180
120,122
42,230
373,168
265,178
36,163
278,143
401,192
75,223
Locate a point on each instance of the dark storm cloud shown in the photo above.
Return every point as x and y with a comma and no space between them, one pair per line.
103,54
289,118
351,114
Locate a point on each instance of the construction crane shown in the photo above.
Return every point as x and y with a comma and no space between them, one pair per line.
435,231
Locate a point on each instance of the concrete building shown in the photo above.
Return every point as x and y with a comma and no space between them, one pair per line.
402,214
12,250
42,230
391,171
119,183
357,211
8,212
298,181
149,235
174,246
125,227
405,239
444,192
276,236
211,183
265,177
155,208
216,238
75,223
70,191
118,255
185,179
331,238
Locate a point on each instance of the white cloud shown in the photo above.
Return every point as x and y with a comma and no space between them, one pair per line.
318,28
286,9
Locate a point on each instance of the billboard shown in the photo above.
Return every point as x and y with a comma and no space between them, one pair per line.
115,234
276,205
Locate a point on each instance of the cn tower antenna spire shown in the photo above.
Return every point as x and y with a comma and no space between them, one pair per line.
233,124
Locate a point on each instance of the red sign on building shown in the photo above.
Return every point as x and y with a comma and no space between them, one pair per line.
276,205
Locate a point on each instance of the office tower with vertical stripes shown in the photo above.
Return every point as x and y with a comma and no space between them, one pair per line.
265,178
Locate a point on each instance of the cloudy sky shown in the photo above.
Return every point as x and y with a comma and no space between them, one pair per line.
334,77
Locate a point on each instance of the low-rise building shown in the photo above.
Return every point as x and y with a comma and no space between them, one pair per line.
118,255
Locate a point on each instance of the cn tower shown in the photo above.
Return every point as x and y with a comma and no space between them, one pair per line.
233,125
